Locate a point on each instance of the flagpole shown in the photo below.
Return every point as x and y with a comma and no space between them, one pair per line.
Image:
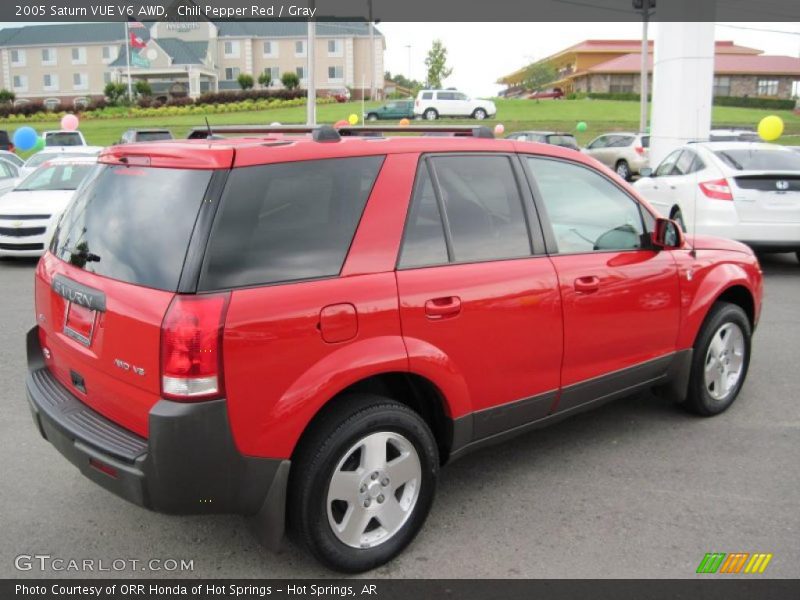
128,60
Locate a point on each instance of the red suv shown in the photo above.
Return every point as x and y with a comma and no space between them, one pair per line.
306,327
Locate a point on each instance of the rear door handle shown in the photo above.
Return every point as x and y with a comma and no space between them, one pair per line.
440,308
587,285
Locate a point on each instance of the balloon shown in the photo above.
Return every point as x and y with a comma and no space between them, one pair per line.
352,119
499,129
770,128
581,126
341,123
39,145
25,138
69,122
404,122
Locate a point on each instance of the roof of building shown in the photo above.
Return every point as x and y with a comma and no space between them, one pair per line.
182,52
291,28
725,64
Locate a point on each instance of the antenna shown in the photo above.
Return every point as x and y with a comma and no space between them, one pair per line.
208,128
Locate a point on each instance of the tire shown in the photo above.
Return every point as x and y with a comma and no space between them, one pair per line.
372,117
797,254
677,216
720,361
430,114
479,114
331,461
623,169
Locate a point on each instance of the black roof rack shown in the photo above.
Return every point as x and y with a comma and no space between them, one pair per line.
326,133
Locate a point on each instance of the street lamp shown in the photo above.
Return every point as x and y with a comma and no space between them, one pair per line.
645,7
409,62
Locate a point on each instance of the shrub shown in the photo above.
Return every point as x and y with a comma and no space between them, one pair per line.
290,80
237,96
143,88
245,81
185,101
7,97
115,92
750,102
265,79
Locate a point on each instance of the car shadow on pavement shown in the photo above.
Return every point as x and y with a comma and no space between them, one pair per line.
779,264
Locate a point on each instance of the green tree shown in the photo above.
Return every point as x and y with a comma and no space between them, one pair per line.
142,88
538,76
265,79
115,92
245,81
290,80
7,97
436,62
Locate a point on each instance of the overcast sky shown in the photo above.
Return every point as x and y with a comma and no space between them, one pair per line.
480,53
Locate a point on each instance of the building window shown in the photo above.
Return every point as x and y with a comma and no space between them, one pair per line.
335,73
722,86
335,48
107,77
52,103
270,49
274,74
232,49
301,73
767,87
109,54
231,73
80,81
300,48
20,83
621,84
49,56
50,82
79,56
18,58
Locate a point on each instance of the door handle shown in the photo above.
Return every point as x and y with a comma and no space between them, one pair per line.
587,285
439,308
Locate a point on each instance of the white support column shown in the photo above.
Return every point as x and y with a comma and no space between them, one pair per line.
194,83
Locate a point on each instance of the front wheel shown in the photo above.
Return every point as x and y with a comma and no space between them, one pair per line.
372,117
363,482
479,114
720,360
431,114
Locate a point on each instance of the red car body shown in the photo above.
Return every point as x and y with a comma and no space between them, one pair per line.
496,346
555,94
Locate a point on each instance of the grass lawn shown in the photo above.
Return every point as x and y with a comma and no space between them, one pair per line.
600,115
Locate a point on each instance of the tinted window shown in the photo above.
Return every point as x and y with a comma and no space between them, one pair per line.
132,224
645,141
56,177
290,221
587,212
483,207
566,141
427,95
423,243
153,136
64,138
757,159
445,96
620,141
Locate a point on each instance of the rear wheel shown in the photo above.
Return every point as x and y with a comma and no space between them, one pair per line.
479,114
363,482
372,117
720,360
431,114
623,169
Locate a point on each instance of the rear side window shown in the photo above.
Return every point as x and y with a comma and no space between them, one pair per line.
645,141
565,141
287,221
427,95
132,224
424,244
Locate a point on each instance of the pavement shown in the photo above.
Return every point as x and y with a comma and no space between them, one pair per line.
635,489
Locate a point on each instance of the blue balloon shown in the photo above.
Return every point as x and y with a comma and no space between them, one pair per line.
25,138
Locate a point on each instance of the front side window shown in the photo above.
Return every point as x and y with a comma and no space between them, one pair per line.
587,212
668,164
598,143
288,221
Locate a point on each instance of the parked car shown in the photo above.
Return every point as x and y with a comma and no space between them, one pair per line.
64,138
29,213
41,157
317,327
11,157
557,138
9,176
131,136
744,191
554,93
626,153
338,94
433,104
733,135
5,141
394,110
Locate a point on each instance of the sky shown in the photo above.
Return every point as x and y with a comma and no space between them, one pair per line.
480,53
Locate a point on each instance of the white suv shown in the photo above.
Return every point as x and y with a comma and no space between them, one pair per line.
432,104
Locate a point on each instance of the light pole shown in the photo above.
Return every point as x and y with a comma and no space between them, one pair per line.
409,63
644,6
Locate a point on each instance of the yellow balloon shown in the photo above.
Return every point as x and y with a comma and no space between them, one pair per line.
352,119
770,128
404,122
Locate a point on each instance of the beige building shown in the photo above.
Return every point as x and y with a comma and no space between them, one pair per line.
68,64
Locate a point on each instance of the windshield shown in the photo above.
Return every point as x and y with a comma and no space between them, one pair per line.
56,177
64,138
759,160
42,157
153,136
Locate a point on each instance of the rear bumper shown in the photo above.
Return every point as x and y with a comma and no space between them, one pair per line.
188,465
778,237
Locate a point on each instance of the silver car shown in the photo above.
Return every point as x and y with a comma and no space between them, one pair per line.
626,153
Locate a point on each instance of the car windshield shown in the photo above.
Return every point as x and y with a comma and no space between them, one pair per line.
66,176
42,157
759,160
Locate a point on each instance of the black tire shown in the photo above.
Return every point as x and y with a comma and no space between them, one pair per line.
797,254
677,216
479,114
372,117
430,114
623,169
699,399
324,447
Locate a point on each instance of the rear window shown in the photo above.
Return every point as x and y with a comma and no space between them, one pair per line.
566,141
153,136
760,160
645,141
287,221
132,224
64,138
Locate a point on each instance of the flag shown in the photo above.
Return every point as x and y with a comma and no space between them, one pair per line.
136,41
134,24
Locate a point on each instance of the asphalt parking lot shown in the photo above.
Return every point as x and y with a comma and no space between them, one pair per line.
635,489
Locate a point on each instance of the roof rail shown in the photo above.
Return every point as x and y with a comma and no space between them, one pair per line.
326,133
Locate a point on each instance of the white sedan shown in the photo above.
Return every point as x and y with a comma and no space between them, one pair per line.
30,213
743,191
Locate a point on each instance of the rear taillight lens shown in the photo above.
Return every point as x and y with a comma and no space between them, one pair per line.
719,189
639,150
191,347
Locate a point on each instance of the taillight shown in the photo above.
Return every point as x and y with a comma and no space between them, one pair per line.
416,102
717,189
639,150
191,347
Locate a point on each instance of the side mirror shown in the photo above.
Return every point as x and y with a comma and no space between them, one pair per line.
646,172
667,234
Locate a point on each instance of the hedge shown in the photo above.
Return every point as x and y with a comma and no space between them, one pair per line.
240,95
742,102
